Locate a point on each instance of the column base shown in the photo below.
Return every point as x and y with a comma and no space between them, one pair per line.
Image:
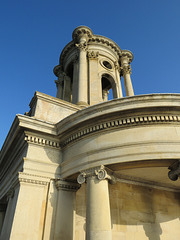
99,235
82,104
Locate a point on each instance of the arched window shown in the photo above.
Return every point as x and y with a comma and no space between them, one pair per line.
109,90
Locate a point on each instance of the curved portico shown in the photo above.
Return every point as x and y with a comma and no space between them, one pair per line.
141,128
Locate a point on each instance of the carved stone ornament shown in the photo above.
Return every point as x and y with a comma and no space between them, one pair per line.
81,46
57,70
121,123
126,69
10,194
93,54
116,66
100,172
174,172
127,54
76,57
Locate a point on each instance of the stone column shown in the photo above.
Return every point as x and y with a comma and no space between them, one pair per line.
98,217
60,82
117,71
126,59
75,80
105,93
82,97
67,88
2,214
65,211
59,85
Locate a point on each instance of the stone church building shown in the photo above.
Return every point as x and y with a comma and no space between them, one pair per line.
81,167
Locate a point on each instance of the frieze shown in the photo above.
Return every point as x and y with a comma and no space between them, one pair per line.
121,123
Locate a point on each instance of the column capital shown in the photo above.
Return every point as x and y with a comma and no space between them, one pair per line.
101,172
174,172
116,66
126,57
92,54
10,194
58,70
81,46
126,69
66,186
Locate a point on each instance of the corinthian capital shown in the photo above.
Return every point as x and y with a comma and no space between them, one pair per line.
92,54
126,69
81,46
100,172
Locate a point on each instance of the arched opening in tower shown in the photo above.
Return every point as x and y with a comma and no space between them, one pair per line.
69,82
108,89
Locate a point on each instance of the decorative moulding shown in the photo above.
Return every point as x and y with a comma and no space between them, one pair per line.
121,123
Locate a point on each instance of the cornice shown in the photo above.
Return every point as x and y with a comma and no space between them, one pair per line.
29,178
92,39
158,103
9,186
122,123
53,100
42,141
97,39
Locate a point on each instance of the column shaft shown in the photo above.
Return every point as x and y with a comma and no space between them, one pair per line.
120,94
67,89
59,85
75,82
82,98
128,84
98,219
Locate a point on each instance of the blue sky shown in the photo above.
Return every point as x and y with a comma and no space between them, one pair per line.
34,32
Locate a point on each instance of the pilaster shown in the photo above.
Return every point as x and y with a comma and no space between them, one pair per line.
95,91
22,221
65,210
